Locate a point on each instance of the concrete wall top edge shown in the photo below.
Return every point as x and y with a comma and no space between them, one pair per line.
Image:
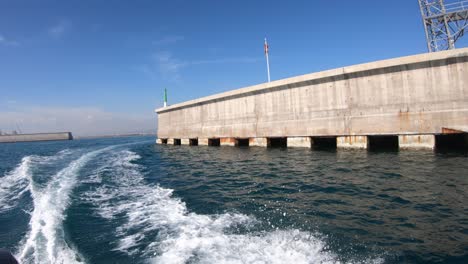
34,134
408,60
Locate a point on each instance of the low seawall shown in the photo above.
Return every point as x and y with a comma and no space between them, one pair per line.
411,98
36,137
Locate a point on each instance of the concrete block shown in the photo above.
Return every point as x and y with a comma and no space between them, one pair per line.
185,141
299,142
416,141
36,137
352,142
203,142
258,142
170,141
158,141
228,142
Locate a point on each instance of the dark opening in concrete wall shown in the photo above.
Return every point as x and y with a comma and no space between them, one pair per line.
214,142
177,141
324,142
383,143
193,142
280,142
452,142
164,141
242,142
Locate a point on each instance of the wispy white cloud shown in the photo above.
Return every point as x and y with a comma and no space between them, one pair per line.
82,121
226,60
7,42
170,67
168,40
57,30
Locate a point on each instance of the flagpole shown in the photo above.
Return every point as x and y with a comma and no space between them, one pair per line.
165,97
267,59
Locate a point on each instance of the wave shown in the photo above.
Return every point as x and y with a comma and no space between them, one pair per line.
45,241
17,182
176,235
14,184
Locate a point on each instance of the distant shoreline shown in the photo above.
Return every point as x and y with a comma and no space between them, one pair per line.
116,136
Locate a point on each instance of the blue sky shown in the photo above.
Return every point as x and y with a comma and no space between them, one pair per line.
76,65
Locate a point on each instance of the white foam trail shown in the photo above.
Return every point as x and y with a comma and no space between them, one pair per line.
14,184
17,182
185,237
45,241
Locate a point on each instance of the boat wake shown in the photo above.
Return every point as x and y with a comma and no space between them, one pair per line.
17,182
45,241
159,227
149,223
14,184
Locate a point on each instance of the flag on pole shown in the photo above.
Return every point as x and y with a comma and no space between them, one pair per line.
265,46
165,97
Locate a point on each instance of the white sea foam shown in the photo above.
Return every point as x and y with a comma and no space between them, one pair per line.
14,184
45,241
17,182
187,237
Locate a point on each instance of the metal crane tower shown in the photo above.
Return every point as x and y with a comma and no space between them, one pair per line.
444,22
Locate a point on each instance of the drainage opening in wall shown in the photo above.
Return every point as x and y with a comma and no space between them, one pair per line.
452,142
193,142
164,141
177,141
280,142
214,142
242,142
324,142
389,143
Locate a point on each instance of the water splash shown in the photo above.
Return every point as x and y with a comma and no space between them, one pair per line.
17,182
14,184
45,241
187,237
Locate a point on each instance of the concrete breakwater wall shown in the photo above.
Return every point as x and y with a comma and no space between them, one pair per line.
409,101
36,137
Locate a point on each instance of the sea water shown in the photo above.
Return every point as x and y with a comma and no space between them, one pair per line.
127,200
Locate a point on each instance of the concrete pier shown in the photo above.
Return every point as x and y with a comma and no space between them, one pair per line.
203,142
446,141
300,142
405,102
352,142
416,141
228,142
36,137
258,142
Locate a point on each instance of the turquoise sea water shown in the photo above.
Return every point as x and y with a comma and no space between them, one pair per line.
127,200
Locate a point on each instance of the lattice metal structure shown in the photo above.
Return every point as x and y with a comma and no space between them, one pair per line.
444,22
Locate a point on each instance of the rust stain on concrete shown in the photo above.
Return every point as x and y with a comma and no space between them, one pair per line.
451,131
228,140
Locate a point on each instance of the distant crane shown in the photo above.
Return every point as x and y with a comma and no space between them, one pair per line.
18,128
444,23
